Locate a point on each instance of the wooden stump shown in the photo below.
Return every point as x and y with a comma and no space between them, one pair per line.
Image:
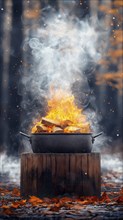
51,174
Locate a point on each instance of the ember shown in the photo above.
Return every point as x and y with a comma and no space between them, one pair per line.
63,116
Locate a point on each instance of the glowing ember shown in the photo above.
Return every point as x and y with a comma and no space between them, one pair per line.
63,116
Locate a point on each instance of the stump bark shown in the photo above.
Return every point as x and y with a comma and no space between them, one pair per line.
51,174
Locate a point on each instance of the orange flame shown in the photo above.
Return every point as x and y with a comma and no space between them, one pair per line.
64,113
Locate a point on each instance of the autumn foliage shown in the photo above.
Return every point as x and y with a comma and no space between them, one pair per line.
14,202
112,60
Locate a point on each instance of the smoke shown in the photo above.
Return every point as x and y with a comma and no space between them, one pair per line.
61,50
58,54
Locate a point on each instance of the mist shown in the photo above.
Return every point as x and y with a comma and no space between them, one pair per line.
9,169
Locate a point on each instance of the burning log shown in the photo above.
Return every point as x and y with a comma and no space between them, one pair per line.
57,130
50,122
66,123
63,113
72,129
83,129
53,126
41,128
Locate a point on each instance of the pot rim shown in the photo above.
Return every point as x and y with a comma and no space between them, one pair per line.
46,133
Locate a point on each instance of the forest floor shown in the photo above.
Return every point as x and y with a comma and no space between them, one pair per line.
109,206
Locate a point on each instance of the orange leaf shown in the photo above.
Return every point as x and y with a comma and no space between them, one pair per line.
3,191
2,194
5,207
55,200
84,202
121,191
65,199
55,208
8,211
35,200
112,11
18,203
116,53
118,3
105,198
119,199
16,192
22,202
14,205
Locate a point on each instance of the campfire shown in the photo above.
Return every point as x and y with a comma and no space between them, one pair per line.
63,116
64,129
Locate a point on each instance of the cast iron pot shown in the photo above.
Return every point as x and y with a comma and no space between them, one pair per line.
61,142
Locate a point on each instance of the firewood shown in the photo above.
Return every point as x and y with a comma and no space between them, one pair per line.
50,122
66,123
85,128
41,128
57,130
72,129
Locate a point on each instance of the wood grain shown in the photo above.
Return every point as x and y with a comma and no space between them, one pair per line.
53,174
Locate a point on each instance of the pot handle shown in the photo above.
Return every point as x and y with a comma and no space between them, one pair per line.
25,135
93,137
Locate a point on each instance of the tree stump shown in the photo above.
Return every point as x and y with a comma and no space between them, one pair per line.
51,174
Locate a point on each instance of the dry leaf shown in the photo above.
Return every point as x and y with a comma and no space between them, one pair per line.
35,200
16,192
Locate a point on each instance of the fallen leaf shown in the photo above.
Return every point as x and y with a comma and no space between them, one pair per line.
15,205
55,208
8,211
35,200
16,192
5,207
105,198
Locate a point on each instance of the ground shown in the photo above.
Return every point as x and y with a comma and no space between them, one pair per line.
109,206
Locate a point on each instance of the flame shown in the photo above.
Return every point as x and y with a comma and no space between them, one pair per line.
62,107
64,113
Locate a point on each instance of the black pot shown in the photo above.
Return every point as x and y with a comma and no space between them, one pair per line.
61,142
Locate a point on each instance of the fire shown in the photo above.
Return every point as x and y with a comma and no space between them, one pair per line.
63,115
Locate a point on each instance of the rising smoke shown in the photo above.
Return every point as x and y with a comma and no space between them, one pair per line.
60,51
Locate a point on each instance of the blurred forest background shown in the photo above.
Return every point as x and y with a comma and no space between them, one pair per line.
16,19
